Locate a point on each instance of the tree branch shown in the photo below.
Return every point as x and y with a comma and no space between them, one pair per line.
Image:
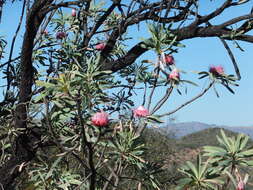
188,102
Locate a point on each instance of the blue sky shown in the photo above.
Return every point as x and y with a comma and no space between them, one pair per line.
199,54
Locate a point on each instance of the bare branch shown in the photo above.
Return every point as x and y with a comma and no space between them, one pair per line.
204,19
188,102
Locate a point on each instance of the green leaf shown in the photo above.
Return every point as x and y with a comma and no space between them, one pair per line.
225,140
214,149
155,118
56,162
44,84
39,97
183,183
193,169
247,153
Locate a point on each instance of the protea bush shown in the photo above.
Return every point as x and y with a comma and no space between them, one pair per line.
78,98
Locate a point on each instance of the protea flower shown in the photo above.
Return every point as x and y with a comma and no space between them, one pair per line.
45,32
169,59
240,185
100,46
174,74
216,70
100,119
73,12
141,112
60,35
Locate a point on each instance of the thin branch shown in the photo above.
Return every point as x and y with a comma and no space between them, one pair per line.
99,23
154,87
59,5
215,13
230,53
188,102
85,23
235,20
89,146
144,93
148,16
9,79
163,100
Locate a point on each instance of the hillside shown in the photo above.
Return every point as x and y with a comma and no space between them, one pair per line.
202,138
172,153
182,129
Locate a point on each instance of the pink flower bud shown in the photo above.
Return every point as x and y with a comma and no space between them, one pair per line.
73,12
100,119
174,74
240,185
100,46
216,70
60,35
45,32
140,112
169,59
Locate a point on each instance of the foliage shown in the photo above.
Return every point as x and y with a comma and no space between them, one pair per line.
60,79
222,164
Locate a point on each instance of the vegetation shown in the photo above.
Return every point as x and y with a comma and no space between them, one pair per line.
203,138
69,119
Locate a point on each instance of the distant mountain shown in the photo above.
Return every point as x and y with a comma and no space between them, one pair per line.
203,138
178,130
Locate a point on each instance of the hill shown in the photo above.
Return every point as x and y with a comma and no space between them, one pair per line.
179,130
172,153
202,138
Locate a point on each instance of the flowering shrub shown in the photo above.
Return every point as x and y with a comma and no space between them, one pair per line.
216,70
100,46
73,12
169,59
140,112
60,35
100,119
174,75
53,136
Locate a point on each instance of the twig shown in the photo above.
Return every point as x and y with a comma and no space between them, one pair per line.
144,93
154,87
12,48
188,102
163,100
230,53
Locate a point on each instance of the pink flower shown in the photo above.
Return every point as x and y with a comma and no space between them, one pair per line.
100,119
240,185
174,74
100,46
140,112
169,59
60,35
216,70
45,32
73,12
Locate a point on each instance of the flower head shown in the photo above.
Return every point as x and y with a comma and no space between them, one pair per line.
141,112
45,32
73,12
100,119
174,74
240,185
100,46
216,70
169,59
60,35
